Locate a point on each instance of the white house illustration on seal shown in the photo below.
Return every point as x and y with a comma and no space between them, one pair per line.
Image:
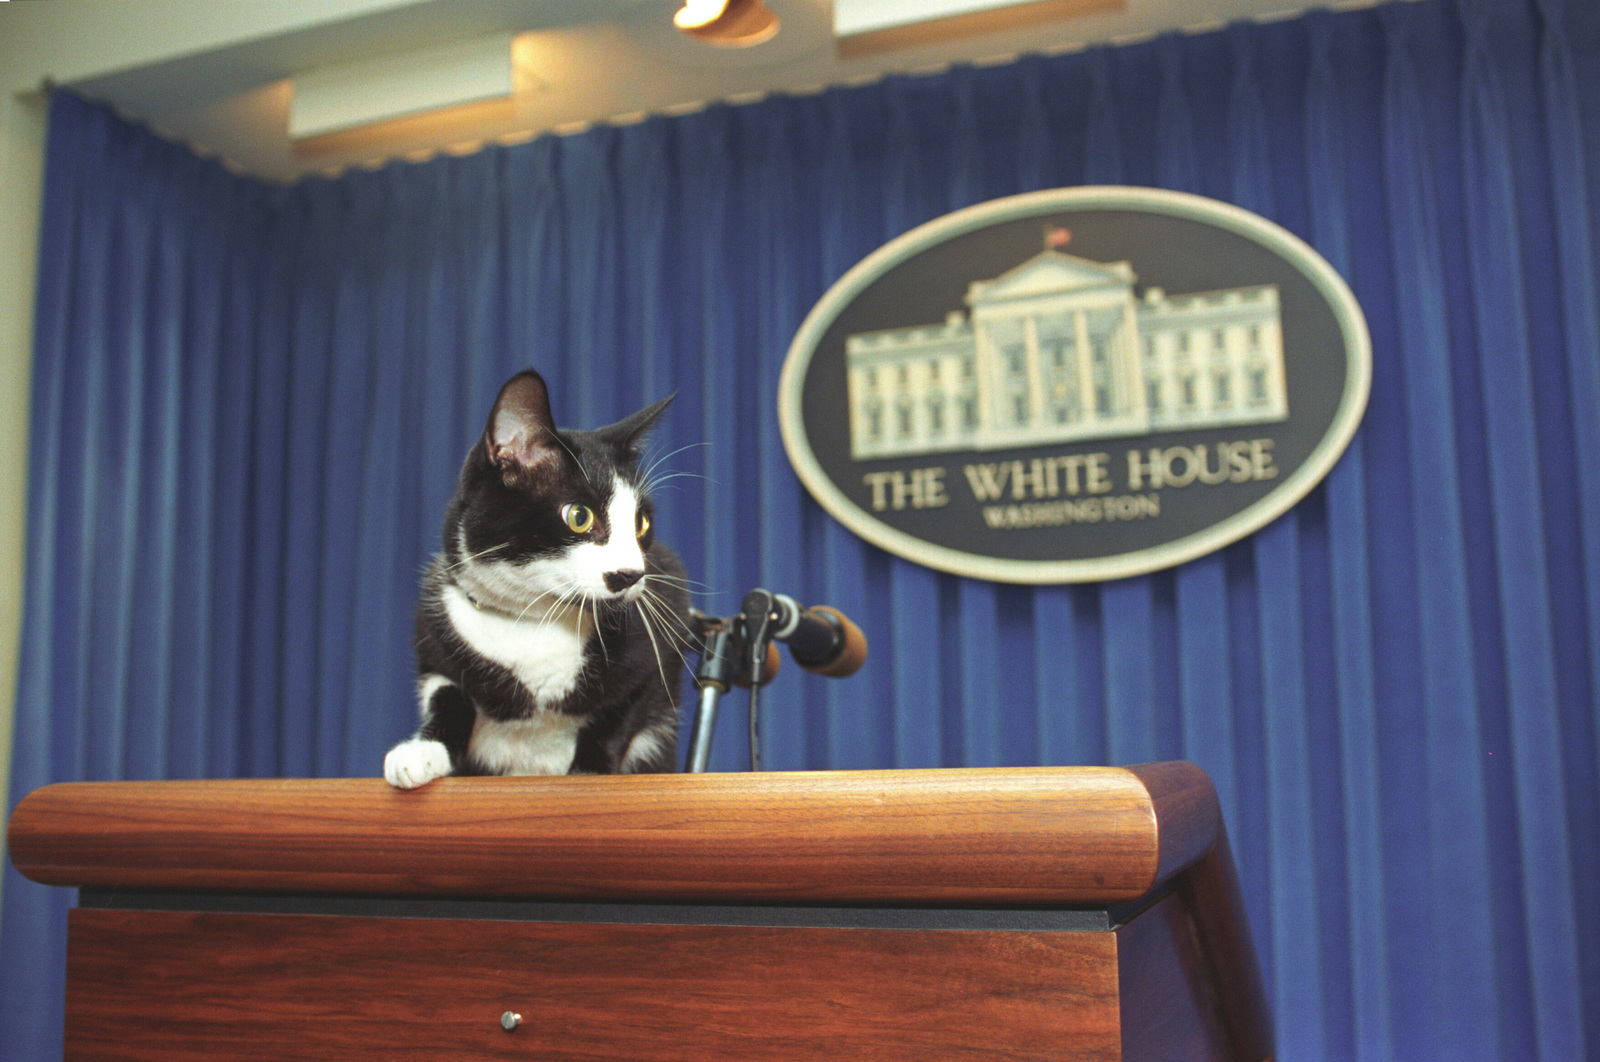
1060,348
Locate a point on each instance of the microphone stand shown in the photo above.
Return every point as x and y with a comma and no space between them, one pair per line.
740,651
721,662
756,610
735,650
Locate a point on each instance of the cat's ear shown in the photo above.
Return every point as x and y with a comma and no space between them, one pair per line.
626,434
520,439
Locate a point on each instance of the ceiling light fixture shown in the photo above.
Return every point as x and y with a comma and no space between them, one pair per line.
366,92
727,23
866,27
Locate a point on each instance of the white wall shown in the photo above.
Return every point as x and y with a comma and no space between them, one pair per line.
22,120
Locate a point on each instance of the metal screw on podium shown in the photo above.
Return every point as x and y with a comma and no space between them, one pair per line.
510,1020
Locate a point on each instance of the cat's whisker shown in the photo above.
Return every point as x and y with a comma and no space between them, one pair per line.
676,633
680,581
654,484
563,444
533,601
684,583
470,557
529,608
605,652
562,601
658,486
677,625
677,641
661,665
557,598
666,485
649,469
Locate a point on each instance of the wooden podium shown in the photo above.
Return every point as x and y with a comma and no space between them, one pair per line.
1056,913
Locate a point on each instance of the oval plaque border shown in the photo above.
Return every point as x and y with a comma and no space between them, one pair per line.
1294,487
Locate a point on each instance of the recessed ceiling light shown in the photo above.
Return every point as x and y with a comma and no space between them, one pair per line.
864,27
349,95
727,23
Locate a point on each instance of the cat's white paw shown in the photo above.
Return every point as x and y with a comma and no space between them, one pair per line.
415,762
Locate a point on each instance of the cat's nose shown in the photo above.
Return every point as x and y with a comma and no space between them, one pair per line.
617,582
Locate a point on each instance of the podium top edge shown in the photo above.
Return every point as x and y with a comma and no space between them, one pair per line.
1006,836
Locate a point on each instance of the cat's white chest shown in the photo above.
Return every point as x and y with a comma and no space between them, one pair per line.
545,655
545,744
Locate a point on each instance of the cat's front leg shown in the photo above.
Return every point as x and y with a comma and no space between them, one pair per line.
441,741
415,762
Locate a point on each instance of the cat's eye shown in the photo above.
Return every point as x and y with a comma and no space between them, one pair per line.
642,527
579,517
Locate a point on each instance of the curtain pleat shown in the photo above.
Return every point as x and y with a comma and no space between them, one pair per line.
1576,531
854,576
1546,930
978,723
265,435
1359,1015
196,397
209,699
1451,809
250,404
1036,167
1279,555
916,623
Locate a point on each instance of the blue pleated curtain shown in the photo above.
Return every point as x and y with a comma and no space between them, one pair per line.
250,402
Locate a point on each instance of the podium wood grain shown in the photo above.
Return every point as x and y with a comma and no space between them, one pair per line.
175,987
194,974
1017,836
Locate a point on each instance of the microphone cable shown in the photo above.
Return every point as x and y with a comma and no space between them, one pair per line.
757,608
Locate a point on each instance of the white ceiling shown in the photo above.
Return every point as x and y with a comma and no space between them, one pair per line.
584,60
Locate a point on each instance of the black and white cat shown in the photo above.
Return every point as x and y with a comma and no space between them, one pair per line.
551,629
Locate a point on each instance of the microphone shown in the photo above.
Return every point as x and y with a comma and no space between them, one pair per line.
722,649
821,639
739,651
